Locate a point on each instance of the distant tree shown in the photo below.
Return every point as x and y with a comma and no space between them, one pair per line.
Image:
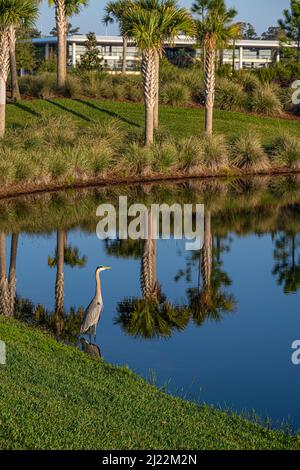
25,56
91,59
290,24
70,30
248,31
272,33
25,51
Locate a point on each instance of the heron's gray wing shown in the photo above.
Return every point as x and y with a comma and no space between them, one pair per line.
91,316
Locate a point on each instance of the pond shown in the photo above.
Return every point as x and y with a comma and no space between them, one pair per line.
215,325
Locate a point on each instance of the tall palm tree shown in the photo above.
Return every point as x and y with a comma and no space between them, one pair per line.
150,28
13,13
28,22
214,31
63,10
201,8
175,28
116,11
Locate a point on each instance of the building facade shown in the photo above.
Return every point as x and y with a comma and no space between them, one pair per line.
248,54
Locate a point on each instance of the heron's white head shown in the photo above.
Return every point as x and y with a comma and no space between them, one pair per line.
102,268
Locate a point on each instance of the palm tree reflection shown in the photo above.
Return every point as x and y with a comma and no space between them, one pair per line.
8,285
152,315
64,254
287,261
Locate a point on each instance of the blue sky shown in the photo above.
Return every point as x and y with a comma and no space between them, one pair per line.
261,13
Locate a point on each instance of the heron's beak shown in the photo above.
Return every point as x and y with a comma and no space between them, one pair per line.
105,268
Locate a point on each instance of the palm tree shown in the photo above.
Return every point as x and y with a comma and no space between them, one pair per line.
214,31
150,28
63,10
116,11
28,22
64,255
201,8
175,29
13,13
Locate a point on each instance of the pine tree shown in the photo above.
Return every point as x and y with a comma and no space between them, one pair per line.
91,60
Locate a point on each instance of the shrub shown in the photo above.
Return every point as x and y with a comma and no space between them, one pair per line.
264,100
286,151
136,160
164,157
248,153
190,155
39,86
215,152
73,87
175,94
229,95
248,80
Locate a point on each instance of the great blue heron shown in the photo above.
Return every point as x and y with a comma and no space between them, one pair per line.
94,310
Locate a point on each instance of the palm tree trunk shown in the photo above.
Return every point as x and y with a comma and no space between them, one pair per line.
59,284
209,89
156,105
61,26
4,293
13,65
149,91
207,257
149,284
124,58
12,283
4,68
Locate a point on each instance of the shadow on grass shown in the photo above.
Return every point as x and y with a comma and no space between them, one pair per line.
25,108
110,113
68,110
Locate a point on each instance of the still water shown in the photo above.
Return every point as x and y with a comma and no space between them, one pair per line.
218,324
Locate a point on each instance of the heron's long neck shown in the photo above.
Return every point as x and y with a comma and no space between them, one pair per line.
98,287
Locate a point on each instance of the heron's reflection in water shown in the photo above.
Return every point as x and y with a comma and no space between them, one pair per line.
91,349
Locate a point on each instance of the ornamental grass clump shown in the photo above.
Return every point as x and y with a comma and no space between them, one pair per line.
175,94
190,155
286,151
265,100
229,95
164,157
215,152
248,153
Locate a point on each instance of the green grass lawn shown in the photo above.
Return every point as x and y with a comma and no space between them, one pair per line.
180,121
55,397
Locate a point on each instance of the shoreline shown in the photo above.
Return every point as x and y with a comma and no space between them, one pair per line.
15,191
168,422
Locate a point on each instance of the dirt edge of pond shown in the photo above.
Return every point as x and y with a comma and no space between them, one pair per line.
16,190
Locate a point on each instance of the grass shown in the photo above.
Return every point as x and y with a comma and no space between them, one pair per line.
55,397
63,141
181,122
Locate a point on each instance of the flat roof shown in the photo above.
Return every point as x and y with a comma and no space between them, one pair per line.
181,40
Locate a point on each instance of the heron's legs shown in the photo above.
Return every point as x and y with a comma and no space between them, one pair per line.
90,333
95,332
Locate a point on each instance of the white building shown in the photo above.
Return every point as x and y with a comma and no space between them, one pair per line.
248,53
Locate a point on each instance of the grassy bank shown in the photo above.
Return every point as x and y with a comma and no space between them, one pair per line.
181,122
55,397
63,143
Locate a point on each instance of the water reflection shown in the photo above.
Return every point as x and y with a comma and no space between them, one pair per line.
68,255
158,291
